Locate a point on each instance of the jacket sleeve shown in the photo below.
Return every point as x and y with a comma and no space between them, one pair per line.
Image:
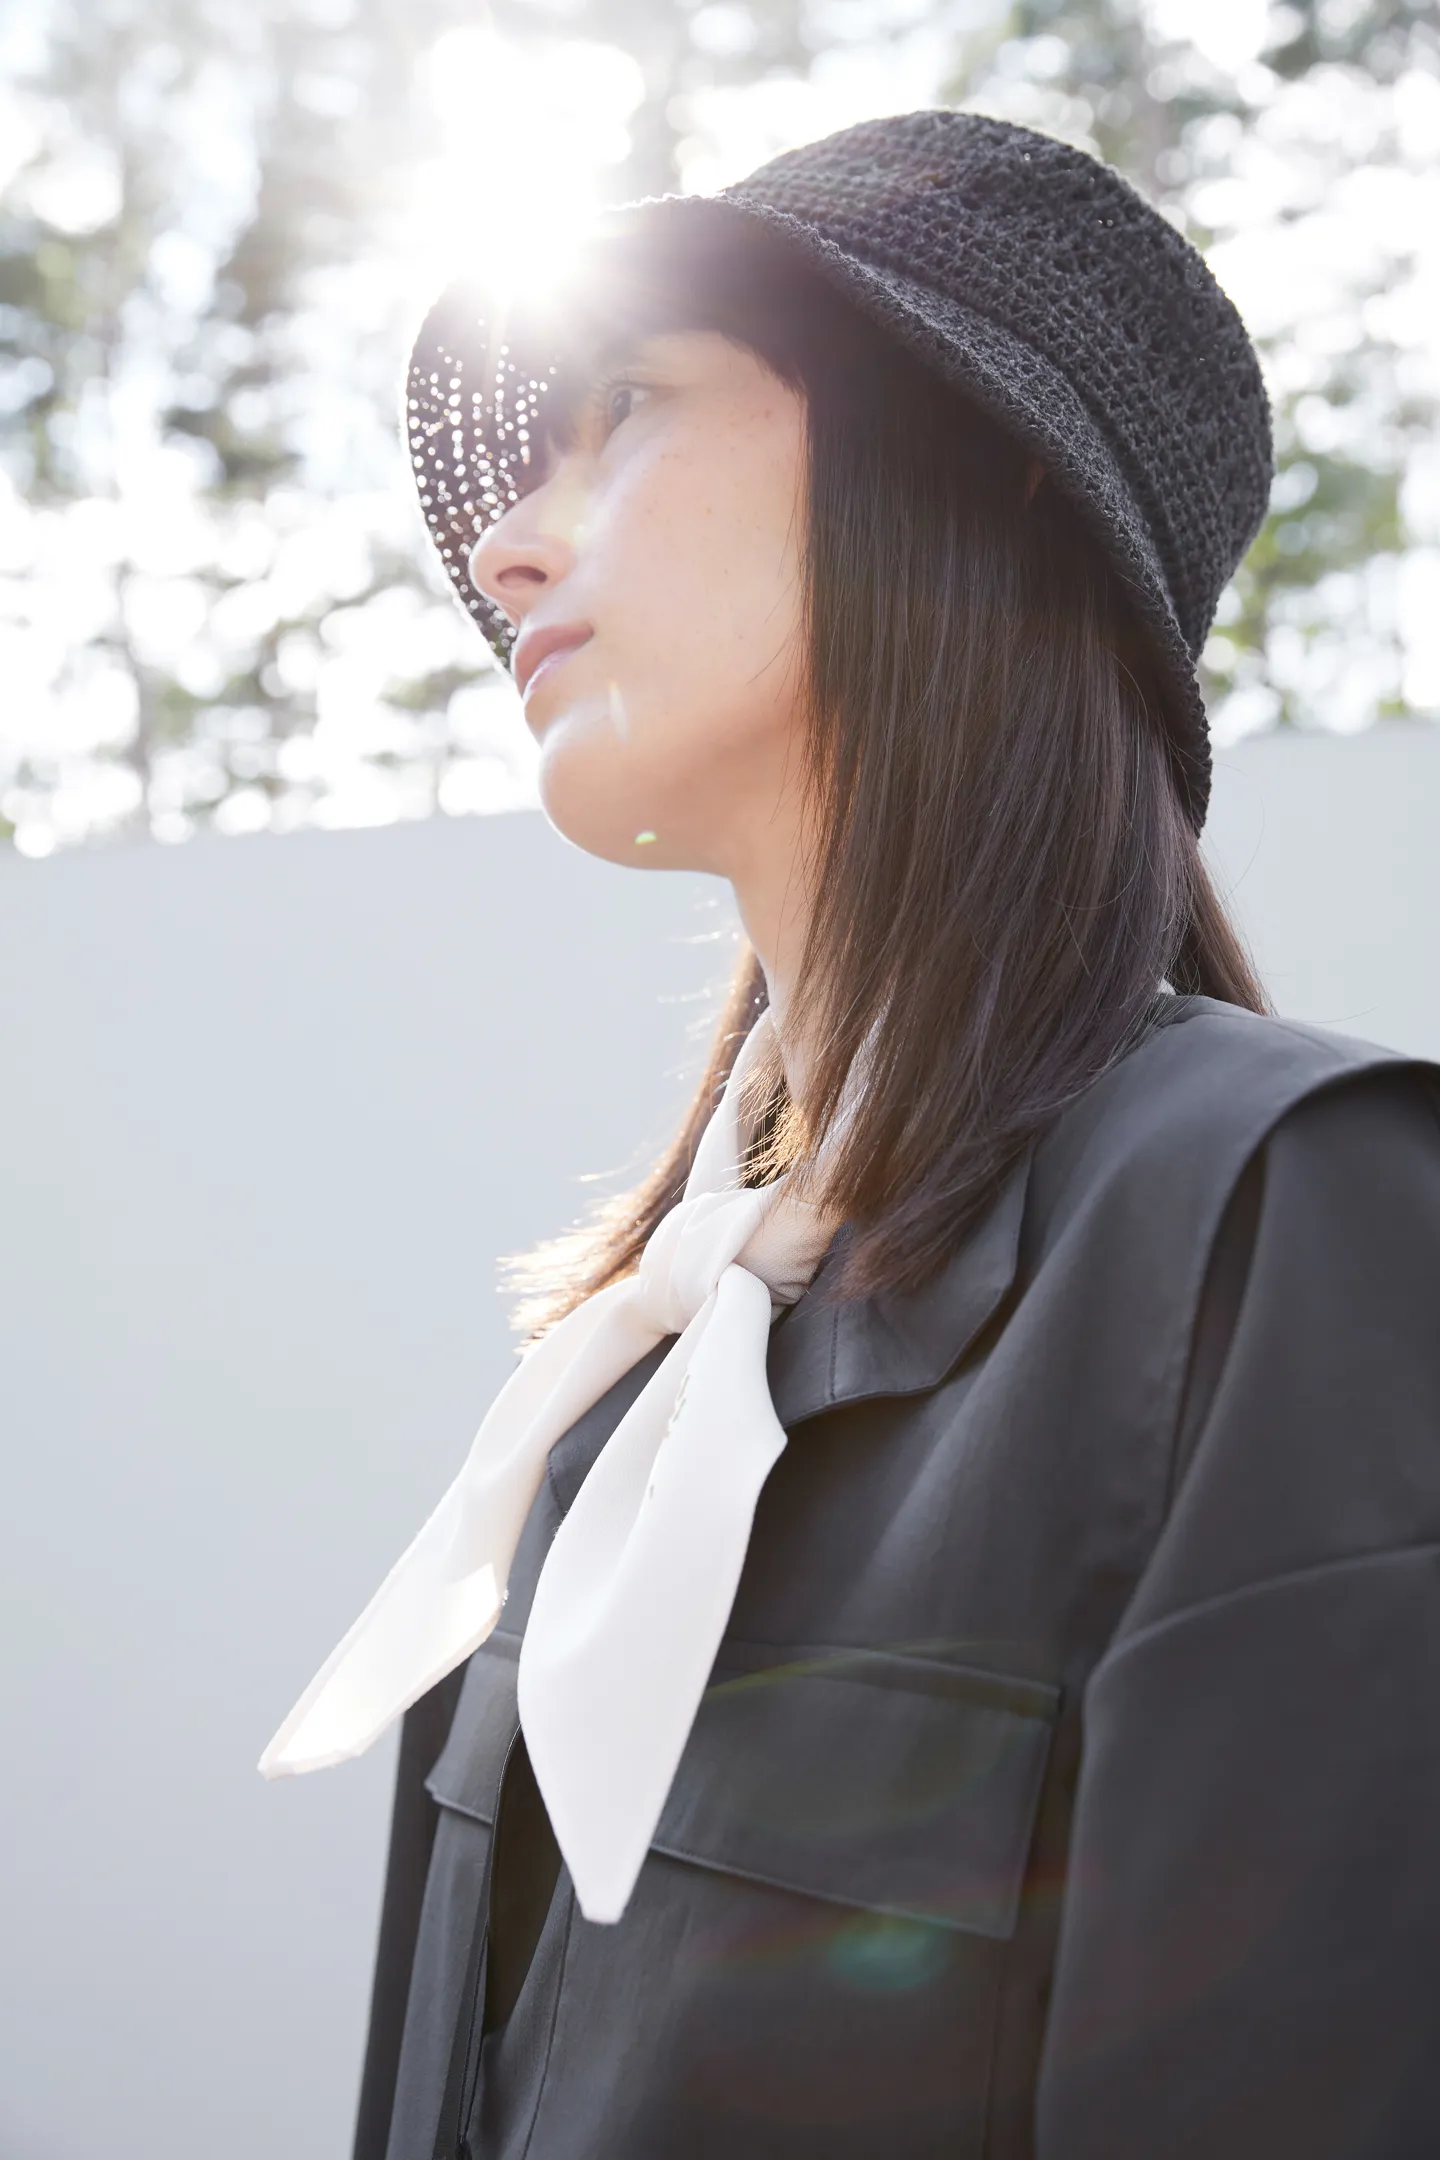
413,1818
1249,1956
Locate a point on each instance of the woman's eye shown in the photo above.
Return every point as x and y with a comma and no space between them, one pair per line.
613,395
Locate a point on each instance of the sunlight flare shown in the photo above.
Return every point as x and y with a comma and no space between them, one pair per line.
523,133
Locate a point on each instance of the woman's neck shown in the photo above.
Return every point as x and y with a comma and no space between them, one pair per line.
775,914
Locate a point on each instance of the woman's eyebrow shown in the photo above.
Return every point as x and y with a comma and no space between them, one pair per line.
622,347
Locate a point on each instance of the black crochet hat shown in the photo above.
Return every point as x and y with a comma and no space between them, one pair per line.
1030,276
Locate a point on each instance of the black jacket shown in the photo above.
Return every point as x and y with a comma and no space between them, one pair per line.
1069,1783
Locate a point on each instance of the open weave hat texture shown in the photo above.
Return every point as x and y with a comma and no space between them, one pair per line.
1030,276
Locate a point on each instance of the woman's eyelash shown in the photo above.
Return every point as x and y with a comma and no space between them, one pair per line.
563,424
606,389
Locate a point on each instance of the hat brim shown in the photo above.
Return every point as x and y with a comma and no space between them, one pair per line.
479,359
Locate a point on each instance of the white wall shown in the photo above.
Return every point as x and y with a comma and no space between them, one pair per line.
1330,848
268,1111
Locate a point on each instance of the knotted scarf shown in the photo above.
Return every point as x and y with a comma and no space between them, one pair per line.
637,1587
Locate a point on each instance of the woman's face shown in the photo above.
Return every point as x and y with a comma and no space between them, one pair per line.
669,532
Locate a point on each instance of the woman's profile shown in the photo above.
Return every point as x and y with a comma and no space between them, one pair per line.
931,1651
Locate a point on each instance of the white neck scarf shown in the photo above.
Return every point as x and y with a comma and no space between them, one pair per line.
636,1589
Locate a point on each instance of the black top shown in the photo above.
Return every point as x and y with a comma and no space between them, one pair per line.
1069,1779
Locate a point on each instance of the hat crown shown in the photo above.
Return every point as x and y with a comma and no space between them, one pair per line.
1035,234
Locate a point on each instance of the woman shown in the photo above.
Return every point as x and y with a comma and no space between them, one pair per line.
931,1650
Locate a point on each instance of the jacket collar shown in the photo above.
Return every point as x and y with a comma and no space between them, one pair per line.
823,1355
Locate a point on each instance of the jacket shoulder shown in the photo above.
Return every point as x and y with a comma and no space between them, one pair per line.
1185,1109
1227,1037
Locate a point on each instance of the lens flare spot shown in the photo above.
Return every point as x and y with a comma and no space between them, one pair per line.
885,1955
643,839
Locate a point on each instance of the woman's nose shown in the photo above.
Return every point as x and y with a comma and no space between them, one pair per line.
525,552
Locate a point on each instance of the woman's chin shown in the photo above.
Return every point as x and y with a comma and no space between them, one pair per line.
585,812
600,794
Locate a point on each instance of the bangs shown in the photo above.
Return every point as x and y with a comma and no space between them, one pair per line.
643,284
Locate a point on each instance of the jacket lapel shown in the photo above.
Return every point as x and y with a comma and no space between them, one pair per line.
823,1355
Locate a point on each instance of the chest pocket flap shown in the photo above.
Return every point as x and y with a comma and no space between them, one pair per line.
895,1783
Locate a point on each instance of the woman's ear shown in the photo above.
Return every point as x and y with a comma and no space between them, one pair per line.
1035,475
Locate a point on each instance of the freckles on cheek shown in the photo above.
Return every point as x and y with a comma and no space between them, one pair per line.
698,558
644,542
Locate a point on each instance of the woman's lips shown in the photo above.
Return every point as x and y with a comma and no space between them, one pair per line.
551,661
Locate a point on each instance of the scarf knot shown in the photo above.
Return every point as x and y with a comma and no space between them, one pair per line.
691,1247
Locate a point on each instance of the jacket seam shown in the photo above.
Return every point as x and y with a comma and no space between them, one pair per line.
543,2079
1188,1343
1385,1061
1289,1578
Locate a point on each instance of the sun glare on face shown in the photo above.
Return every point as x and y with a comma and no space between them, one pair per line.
668,735
523,133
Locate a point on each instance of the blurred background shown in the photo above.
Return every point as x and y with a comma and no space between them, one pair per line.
221,223
275,1090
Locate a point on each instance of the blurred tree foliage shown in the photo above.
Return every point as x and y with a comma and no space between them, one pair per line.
216,602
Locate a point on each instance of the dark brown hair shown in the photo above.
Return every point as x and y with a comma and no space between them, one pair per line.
1008,871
